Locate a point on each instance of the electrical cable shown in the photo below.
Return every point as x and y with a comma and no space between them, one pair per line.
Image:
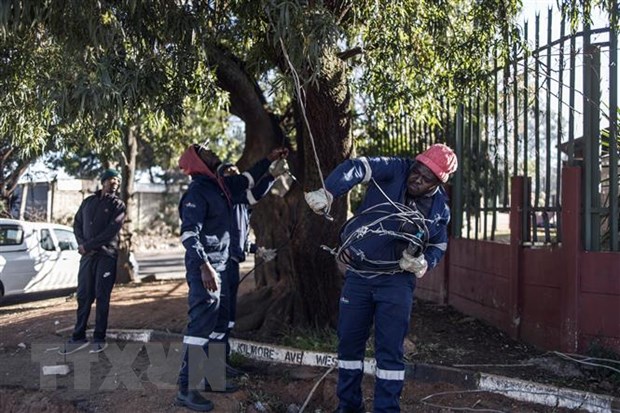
585,361
299,91
391,222
582,401
301,410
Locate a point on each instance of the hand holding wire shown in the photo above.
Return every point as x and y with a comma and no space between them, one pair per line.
319,201
278,167
277,153
415,264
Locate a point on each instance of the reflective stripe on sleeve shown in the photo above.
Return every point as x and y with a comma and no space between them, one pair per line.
195,341
350,364
188,234
250,179
442,246
251,198
368,173
390,374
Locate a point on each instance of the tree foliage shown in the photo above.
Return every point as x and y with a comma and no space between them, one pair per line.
580,11
146,70
29,69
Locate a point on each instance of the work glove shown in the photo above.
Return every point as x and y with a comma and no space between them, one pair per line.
319,200
278,167
414,264
266,254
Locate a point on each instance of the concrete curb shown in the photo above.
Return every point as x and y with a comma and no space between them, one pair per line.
516,389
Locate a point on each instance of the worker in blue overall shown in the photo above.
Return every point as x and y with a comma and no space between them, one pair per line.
379,281
206,211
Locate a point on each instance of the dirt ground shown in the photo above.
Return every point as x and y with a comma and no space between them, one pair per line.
439,335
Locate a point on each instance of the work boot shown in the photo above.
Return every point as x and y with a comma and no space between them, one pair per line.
193,400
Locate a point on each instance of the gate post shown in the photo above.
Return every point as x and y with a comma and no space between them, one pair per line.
592,142
517,207
571,251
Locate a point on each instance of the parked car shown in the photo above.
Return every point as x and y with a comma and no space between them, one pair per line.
36,256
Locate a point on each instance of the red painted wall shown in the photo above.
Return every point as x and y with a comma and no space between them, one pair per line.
599,318
558,298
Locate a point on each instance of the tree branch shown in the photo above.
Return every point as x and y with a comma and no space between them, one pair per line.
248,103
348,54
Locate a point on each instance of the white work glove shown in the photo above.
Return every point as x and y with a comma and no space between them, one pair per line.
278,167
319,200
266,254
416,265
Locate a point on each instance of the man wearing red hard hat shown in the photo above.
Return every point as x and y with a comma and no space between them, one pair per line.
400,230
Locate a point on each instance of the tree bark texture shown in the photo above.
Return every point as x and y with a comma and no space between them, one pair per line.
12,165
124,269
301,286
317,280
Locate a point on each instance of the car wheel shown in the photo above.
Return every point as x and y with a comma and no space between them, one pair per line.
1,291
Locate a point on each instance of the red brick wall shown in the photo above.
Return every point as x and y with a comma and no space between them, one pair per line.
558,298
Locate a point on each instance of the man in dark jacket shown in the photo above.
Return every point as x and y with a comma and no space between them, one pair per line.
400,230
206,211
96,226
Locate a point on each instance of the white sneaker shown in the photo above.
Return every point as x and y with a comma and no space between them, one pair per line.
98,347
73,346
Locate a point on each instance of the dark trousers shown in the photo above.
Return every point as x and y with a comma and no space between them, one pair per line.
96,279
386,301
228,307
204,326
232,273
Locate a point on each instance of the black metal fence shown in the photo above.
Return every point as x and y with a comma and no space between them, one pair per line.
553,105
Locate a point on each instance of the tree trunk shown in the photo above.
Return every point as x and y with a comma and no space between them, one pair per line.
304,281
301,286
12,165
124,269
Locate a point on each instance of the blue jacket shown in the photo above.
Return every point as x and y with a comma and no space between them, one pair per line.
391,175
240,241
206,212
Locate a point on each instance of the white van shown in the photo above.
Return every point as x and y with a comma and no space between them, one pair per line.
36,256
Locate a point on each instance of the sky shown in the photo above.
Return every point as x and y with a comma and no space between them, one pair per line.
532,7
38,171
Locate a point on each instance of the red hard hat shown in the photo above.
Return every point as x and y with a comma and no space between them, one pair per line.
440,159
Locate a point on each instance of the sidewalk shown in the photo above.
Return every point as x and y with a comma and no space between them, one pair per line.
447,351
441,336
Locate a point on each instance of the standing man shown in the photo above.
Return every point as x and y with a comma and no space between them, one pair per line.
96,225
379,281
206,211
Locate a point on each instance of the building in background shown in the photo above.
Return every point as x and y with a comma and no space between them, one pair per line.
58,200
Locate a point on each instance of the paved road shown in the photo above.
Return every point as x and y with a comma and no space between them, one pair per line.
163,265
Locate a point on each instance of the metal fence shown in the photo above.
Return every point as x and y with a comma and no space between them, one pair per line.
553,105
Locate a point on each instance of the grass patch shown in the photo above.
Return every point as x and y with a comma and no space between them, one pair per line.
318,340
324,340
